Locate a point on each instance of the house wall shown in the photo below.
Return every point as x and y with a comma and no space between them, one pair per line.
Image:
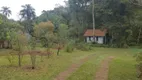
100,39
88,40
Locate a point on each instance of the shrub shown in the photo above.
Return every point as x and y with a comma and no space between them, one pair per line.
83,46
33,60
139,60
9,57
99,45
70,46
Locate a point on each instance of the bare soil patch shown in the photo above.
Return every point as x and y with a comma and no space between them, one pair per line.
102,73
64,75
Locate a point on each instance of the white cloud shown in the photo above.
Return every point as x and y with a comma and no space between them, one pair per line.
39,5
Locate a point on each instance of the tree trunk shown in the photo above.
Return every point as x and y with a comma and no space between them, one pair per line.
58,51
93,17
33,60
138,40
59,47
19,53
19,57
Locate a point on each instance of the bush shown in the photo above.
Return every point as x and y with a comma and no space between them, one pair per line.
83,46
99,45
70,47
139,60
10,58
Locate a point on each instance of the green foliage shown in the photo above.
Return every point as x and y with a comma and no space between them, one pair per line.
1,19
7,28
83,46
52,15
10,58
44,32
120,17
32,43
6,11
100,45
28,12
139,60
62,34
70,46
27,18
19,41
43,28
33,60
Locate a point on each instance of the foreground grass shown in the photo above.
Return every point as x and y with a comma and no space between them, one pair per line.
121,68
87,70
46,70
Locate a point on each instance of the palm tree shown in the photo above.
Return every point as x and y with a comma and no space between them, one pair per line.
28,12
93,17
28,15
6,11
44,11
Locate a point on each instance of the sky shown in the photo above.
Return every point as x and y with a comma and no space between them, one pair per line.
39,5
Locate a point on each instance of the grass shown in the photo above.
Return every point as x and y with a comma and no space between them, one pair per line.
46,70
123,70
123,67
88,69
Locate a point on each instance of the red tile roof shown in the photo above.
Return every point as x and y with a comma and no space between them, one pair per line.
98,32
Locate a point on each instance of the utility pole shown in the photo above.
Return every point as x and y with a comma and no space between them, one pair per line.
93,17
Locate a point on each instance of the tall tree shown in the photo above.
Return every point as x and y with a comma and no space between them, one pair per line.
28,12
6,11
28,16
80,16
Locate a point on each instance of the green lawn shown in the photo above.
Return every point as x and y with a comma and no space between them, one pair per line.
123,67
88,69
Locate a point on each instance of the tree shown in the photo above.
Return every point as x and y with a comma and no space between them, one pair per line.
28,12
12,26
28,16
121,18
7,26
62,37
32,46
6,11
44,32
19,43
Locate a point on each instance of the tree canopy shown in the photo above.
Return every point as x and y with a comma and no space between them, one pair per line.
122,19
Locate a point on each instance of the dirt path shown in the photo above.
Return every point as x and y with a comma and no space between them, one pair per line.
64,75
102,73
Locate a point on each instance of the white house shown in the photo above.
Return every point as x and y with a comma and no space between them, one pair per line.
100,36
